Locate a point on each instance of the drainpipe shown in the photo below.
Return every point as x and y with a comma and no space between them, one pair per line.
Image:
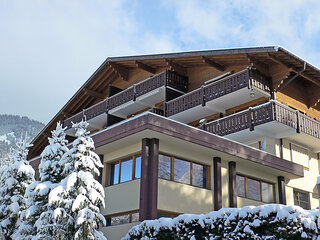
293,78
318,185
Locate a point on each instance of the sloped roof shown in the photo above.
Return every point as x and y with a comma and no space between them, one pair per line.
113,67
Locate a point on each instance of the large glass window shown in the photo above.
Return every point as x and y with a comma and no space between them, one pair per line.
199,175
255,189
241,186
179,170
122,219
182,171
125,170
164,169
301,199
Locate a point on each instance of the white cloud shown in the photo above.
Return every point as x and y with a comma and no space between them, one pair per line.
50,48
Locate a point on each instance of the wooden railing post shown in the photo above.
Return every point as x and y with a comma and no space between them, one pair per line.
203,97
134,92
298,121
251,124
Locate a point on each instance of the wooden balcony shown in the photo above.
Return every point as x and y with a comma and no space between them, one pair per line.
140,96
271,119
218,96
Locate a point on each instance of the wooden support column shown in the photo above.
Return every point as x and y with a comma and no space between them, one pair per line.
217,190
232,185
282,190
149,179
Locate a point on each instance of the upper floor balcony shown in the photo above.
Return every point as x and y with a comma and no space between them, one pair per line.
271,119
143,95
228,92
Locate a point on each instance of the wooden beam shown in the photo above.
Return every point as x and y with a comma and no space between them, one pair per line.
94,93
175,67
145,67
67,114
308,78
214,64
293,69
264,68
217,189
122,72
313,95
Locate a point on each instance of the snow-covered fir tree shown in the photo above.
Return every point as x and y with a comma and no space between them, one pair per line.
36,219
79,197
16,177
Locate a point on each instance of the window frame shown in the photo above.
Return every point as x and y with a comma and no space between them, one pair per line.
108,169
260,184
130,213
172,157
299,200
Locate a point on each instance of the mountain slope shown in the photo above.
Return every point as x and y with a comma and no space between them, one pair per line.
13,127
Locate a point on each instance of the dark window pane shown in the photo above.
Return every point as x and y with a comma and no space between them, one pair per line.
241,190
301,199
114,173
163,215
123,219
181,171
267,192
164,170
254,189
138,167
199,175
126,170
135,217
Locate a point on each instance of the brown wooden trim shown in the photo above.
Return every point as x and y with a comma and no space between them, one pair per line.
181,131
144,180
282,190
149,179
232,185
145,67
217,190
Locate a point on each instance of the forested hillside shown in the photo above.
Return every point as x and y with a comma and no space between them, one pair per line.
13,127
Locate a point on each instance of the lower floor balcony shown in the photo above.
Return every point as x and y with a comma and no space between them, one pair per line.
271,119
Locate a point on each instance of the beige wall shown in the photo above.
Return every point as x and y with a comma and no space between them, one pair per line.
122,197
182,198
307,158
117,232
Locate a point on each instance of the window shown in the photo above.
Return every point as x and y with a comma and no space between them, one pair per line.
255,189
125,170
179,170
163,214
301,199
182,171
164,168
122,219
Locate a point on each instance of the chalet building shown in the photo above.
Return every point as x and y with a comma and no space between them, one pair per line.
193,132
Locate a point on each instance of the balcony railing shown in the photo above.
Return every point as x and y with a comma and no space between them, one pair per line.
271,111
166,78
246,78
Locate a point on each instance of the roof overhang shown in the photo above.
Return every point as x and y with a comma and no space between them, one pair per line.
113,66
151,125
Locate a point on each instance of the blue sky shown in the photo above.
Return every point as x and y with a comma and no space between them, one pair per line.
49,48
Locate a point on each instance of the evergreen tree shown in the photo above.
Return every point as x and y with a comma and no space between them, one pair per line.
79,196
16,177
36,218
